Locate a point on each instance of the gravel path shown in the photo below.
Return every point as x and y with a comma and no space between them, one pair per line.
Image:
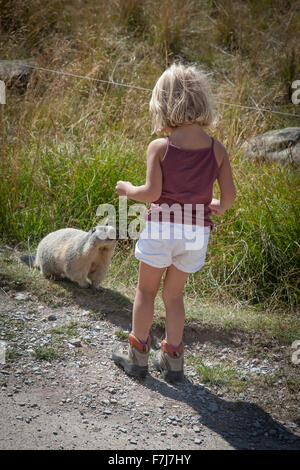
84,401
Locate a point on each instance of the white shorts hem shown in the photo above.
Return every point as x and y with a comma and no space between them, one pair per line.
140,258
191,271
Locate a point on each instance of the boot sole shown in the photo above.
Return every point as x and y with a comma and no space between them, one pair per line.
169,375
131,369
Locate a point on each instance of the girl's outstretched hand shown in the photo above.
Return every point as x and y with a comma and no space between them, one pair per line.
122,187
216,208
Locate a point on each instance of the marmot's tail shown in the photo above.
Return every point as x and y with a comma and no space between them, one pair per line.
29,260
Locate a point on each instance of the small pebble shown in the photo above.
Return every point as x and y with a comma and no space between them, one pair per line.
198,441
52,318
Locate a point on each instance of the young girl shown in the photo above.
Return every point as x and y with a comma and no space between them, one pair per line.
181,169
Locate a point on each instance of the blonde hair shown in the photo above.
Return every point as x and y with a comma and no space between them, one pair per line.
181,96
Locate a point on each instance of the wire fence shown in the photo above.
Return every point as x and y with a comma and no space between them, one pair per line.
111,82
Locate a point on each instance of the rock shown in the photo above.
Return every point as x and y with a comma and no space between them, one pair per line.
52,318
198,441
75,342
132,441
281,145
31,352
21,296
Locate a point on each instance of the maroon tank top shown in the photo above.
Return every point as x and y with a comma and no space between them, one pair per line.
188,178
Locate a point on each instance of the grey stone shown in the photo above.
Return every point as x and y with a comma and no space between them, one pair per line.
75,342
52,318
132,441
282,145
21,297
198,441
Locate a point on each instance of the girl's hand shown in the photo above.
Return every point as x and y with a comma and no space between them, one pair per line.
122,187
216,208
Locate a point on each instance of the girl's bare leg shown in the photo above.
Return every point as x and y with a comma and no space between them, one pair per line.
173,299
143,307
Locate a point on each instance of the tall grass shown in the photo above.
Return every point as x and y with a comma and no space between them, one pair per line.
66,141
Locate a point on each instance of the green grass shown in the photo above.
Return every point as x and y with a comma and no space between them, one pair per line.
61,188
12,354
215,374
293,383
69,329
278,325
121,334
46,354
18,276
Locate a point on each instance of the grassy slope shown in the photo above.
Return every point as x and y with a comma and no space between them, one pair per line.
67,141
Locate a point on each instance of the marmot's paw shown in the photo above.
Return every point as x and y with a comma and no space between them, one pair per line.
98,288
84,284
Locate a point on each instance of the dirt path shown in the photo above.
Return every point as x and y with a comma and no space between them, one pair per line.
81,400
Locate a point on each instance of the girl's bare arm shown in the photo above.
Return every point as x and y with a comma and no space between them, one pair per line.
151,190
227,188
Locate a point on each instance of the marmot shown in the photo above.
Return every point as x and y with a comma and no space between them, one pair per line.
75,254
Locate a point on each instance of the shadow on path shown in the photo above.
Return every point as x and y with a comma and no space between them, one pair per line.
242,424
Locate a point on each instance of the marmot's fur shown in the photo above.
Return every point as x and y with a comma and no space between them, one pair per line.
76,255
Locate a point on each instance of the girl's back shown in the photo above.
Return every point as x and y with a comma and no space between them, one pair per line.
189,168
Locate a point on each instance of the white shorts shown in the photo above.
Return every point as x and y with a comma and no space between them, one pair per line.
164,243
